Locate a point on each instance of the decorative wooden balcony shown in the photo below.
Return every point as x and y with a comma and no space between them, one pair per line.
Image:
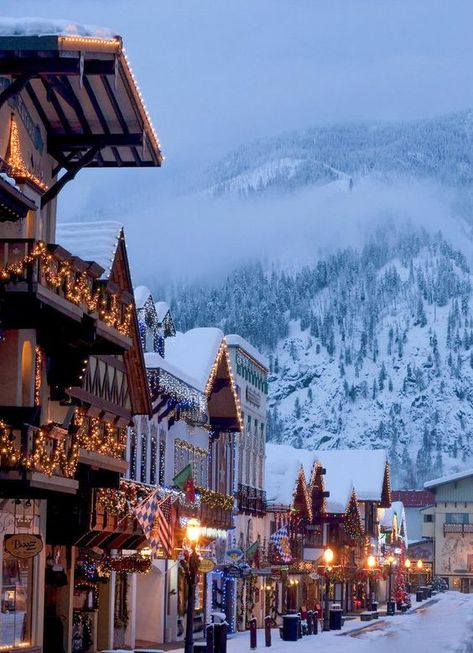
46,458
251,500
46,285
457,529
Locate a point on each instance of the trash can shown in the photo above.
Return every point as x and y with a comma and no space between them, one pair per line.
290,627
199,647
374,606
390,608
430,591
335,617
419,596
425,592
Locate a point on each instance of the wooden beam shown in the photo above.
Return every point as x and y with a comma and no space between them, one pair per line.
70,142
14,88
36,67
69,175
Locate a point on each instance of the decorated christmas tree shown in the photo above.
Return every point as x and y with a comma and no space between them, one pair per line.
400,592
352,523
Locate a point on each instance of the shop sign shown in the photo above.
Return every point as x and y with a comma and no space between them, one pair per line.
314,575
23,545
234,555
233,572
206,565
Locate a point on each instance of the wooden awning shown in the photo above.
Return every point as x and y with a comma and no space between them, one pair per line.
84,92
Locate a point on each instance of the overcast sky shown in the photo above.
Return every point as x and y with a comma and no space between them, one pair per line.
218,73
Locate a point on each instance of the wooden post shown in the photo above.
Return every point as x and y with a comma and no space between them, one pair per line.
267,631
253,642
210,638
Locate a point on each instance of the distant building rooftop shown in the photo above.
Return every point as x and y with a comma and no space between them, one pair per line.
413,498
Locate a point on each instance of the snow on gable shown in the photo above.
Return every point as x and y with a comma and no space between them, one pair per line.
234,340
359,469
364,467
162,309
91,241
195,352
283,463
142,294
448,479
51,27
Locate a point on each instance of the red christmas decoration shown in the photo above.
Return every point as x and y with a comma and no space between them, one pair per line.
400,592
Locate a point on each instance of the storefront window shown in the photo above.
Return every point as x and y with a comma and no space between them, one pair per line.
16,600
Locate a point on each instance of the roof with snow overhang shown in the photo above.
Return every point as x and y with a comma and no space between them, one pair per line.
362,470
91,241
234,340
449,478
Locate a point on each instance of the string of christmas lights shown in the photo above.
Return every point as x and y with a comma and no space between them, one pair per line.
16,166
77,287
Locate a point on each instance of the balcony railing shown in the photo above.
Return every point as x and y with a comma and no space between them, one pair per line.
52,451
52,272
251,500
459,529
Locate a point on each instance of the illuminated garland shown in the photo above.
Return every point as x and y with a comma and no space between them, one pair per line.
131,564
215,499
100,437
77,287
16,165
301,494
37,375
123,501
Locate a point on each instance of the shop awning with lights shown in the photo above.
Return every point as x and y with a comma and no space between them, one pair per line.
85,94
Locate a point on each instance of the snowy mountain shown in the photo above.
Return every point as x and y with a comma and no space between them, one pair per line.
439,149
370,348
370,345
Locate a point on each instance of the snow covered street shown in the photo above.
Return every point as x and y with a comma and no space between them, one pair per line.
443,625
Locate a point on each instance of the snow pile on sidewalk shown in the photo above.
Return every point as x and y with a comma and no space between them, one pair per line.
446,625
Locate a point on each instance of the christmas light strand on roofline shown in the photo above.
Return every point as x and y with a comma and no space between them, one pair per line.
223,351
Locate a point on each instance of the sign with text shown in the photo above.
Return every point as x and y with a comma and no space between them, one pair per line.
23,545
206,565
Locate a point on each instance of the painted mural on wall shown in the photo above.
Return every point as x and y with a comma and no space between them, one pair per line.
455,555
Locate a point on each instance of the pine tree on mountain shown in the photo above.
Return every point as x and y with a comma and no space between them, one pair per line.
382,377
375,390
297,408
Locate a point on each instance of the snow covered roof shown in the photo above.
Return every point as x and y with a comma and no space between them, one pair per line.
91,241
51,27
397,508
162,308
155,361
142,294
195,352
413,498
234,340
359,469
447,479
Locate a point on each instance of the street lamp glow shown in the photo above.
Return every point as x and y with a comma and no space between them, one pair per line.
390,560
371,561
420,565
328,556
193,531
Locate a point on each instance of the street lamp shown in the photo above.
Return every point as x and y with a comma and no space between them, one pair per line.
391,560
420,565
407,565
328,559
371,562
190,564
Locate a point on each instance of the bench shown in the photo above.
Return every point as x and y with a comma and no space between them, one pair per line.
368,615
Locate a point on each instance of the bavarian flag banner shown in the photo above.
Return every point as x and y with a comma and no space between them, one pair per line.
185,482
280,539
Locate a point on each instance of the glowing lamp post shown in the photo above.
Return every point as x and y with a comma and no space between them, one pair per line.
190,564
371,564
420,566
328,559
391,560
407,565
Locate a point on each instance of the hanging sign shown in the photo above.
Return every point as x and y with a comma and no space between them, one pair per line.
23,545
206,565
234,555
233,571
